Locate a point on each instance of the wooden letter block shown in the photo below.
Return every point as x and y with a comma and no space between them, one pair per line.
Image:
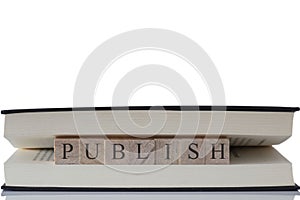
141,152
116,152
192,152
217,151
66,151
91,150
166,151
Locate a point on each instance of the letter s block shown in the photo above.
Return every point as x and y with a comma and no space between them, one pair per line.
66,151
192,151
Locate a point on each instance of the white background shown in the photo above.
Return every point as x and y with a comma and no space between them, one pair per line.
255,46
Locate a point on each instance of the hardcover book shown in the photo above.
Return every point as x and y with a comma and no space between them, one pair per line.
250,132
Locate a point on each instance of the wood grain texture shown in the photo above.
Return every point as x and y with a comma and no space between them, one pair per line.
141,152
132,151
167,151
66,151
91,150
191,151
218,151
116,152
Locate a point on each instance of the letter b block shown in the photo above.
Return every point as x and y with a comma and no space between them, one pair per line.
129,152
116,152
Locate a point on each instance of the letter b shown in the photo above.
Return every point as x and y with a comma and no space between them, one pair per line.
120,151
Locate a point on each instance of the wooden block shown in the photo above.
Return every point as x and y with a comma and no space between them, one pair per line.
141,152
66,151
192,151
116,152
167,151
91,150
217,151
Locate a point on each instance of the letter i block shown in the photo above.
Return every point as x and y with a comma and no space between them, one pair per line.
217,151
192,152
166,151
116,152
91,150
66,151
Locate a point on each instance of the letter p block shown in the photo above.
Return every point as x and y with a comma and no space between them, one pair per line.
66,151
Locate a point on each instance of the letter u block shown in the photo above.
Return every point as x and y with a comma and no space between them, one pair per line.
91,150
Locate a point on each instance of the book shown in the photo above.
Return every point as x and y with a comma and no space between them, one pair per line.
250,132
243,125
250,167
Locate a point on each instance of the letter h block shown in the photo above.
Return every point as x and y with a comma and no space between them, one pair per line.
217,151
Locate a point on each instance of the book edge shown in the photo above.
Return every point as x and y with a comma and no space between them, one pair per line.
172,189
169,108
